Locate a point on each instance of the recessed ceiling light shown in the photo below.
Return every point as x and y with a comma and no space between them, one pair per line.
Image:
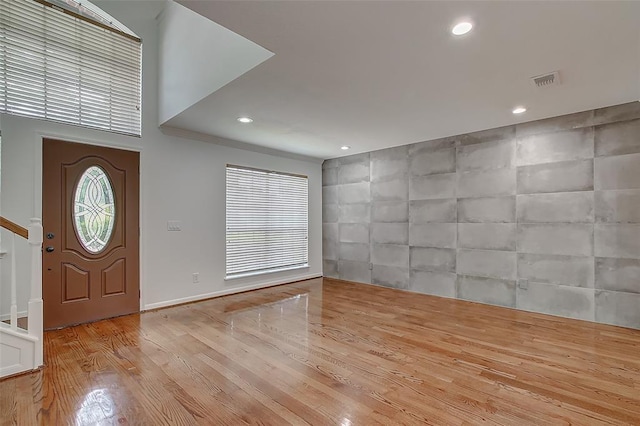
345,147
245,120
461,28
519,110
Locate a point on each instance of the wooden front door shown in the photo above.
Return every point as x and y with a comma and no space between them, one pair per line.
90,214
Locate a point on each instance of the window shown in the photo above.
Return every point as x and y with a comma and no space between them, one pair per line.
59,65
267,221
94,209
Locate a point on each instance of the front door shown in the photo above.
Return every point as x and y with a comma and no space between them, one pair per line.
90,215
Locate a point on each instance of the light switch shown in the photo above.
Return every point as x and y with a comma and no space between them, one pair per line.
174,225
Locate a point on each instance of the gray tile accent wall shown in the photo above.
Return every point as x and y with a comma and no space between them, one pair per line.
541,216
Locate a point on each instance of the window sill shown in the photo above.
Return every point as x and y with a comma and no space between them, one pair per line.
270,271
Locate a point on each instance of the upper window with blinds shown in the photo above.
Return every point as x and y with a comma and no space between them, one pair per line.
63,64
267,221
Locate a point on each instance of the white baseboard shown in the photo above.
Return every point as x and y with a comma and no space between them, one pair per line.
219,293
6,317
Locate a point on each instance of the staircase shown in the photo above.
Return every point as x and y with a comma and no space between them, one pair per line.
21,348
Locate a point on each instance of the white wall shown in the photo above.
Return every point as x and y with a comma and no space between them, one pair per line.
181,179
197,57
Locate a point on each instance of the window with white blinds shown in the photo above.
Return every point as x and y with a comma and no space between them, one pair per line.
58,66
267,221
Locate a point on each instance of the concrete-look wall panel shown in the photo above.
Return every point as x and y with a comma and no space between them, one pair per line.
618,308
430,146
353,193
488,236
433,162
621,241
330,241
390,211
486,156
391,190
354,271
491,210
354,213
356,158
390,255
432,259
330,268
487,290
353,173
354,233
487,183
571,302
618,172
435,283
555,147
357,252
441,235
616,113
565,238
487,263
432,187
556,207
617,206
330,250
330,176
489,135
390,276
333,163
390,233
329,195
330,232
389,164
552,206
556,124
575,271
329,213
556,177
617,138
427,211
618,274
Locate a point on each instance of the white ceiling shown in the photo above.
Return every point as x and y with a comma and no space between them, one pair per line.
379,74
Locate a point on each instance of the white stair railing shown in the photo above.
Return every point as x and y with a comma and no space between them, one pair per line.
29,341
13,317
35,320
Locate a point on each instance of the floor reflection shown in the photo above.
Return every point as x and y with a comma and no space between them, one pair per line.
329,352
276,314
96,407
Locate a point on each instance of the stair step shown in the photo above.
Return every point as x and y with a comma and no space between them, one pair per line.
22,322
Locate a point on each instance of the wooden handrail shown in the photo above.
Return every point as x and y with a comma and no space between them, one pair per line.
14,227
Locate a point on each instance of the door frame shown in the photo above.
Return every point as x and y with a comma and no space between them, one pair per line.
40,135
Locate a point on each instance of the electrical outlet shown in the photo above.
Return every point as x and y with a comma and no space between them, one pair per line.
196,277
523,284
174,225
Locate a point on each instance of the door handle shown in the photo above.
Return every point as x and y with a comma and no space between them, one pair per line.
49,249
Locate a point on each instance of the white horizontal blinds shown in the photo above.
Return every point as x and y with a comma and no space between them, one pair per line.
267,221
62,68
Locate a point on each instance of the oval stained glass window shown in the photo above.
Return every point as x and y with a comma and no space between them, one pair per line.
94,209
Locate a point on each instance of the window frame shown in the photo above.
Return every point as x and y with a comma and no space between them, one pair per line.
97,88
268,175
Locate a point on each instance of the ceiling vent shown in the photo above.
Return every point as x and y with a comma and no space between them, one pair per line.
547,80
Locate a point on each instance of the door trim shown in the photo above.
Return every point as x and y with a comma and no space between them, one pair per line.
39,135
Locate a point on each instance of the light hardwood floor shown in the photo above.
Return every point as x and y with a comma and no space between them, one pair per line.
326,352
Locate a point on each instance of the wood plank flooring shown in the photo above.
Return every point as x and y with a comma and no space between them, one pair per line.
326,352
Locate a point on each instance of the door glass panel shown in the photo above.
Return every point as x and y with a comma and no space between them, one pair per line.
94,209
